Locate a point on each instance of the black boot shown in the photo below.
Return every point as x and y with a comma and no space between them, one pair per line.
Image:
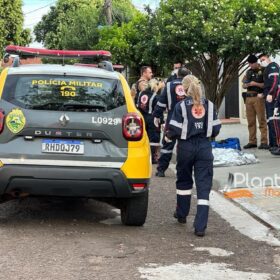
199,233
276,151
160,173
250,146
272,148
179,219
263,146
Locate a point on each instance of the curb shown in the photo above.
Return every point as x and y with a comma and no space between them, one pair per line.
254,211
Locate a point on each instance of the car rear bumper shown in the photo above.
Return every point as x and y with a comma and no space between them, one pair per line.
100,182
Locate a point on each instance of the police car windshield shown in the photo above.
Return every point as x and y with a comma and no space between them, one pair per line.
60,93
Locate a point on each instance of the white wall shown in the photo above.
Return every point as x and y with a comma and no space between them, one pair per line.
222,110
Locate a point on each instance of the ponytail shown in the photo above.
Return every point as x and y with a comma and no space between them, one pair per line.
192,87
153,85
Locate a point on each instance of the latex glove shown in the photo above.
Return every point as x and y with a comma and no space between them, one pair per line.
276,112
167,140
157,122
269,98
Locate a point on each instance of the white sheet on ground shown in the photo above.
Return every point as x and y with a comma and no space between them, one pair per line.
231,157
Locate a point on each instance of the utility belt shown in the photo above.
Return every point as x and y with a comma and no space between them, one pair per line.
249,94
252,94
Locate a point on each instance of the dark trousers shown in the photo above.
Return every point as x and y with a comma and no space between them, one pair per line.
269,106
194,154
165,155
276,123
152,131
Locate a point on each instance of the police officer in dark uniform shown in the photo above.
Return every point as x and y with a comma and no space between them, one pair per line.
255,103
271,87
147,101
171,95
193,122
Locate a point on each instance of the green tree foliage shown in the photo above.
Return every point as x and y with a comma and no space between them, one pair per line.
2,29
49,30
124,41
215,36
134,44
75,23
83,30
113,39
11,24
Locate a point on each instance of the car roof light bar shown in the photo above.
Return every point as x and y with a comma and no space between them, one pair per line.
25,52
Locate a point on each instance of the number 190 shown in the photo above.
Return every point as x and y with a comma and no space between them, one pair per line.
68,93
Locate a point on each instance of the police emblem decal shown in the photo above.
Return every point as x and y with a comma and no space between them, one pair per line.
198,112
15,120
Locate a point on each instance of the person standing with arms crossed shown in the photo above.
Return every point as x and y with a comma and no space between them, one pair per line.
255,103
193,122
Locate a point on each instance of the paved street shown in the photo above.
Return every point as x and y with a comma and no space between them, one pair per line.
77,239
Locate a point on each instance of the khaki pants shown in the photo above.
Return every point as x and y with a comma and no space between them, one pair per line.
255,107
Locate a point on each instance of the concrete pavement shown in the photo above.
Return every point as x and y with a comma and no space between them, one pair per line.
256,187
51,238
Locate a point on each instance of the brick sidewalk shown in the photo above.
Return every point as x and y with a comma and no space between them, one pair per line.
264,205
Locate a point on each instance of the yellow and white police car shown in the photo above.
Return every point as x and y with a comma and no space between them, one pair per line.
72,131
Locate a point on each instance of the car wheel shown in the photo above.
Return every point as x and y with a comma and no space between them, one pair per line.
134,210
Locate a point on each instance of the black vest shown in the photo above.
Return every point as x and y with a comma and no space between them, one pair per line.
255,75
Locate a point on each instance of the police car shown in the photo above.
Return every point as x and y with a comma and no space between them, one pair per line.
72,131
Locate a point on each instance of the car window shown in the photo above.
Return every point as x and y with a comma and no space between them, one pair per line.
63,92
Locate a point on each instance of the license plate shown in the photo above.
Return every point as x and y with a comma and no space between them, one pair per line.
62,146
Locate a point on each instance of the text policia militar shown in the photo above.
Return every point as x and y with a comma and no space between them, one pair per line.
68,83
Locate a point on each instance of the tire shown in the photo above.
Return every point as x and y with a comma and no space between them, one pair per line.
134,210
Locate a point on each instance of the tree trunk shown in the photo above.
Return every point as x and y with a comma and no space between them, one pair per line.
108,11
